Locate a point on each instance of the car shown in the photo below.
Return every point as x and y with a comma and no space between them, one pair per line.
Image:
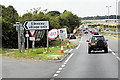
72,36
97,43
107,29
96,33
86,32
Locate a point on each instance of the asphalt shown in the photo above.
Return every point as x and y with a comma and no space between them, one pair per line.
95,65
80,64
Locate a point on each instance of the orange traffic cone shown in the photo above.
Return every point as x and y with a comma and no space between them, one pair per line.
68,44
62,48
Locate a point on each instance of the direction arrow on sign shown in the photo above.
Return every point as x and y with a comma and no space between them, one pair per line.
36,25
32,32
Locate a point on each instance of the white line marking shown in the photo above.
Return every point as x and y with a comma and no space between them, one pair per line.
58,72
63,66
69,58
60,69
66,51
78,46
65,63
114,53
55,75
70,50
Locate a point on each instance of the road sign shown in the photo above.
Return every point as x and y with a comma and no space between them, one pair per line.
32,38
36,25
27,35
52,34
62,33
74,31
32,32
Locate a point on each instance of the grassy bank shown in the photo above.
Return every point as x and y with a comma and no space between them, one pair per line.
38,53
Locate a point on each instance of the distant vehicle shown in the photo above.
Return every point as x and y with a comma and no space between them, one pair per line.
107,29
96,33
72,36
86,32
96,43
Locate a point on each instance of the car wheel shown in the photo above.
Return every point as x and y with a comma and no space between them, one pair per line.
89,51
106,50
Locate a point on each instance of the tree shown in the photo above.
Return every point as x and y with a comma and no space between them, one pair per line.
9,17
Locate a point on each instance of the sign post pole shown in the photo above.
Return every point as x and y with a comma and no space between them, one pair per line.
19,39
47,42
27,44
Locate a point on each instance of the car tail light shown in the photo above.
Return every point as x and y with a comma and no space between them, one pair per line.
105,43
90,44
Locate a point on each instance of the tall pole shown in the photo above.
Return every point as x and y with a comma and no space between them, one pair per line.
108,14
116,14
47,42
27,44
19,39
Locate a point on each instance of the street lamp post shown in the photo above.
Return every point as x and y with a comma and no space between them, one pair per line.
108,13
116,14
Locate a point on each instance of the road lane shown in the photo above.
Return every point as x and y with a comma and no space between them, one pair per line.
84,65
12,68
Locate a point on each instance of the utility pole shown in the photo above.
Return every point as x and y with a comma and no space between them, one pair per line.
108,14
116,14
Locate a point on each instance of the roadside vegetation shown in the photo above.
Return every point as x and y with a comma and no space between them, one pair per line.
39,53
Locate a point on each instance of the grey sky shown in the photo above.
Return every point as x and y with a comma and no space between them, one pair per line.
79,7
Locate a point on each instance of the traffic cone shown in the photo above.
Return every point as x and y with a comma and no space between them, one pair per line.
68,44
62,48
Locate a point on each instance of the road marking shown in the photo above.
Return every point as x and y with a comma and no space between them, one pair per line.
63,66
58,72
114,53
55,75
70,50
66,51
60,69
78,46
69,58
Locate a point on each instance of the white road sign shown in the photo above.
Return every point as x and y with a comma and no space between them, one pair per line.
52,34
62,33
32,38
36,25
32,32
27,35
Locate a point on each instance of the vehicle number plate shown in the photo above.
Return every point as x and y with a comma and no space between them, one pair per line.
93,44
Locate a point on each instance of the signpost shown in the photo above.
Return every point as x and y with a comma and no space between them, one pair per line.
52,34
21,41
36,25
62,33
32,26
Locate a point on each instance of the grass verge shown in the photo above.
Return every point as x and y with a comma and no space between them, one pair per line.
38,53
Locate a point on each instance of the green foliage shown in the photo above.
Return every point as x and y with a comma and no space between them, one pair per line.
9,34
56,20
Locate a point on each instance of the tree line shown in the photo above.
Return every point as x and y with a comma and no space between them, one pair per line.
56,19
99,17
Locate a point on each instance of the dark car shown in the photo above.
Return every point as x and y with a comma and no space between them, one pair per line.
96,33
86,32
72,36
96,43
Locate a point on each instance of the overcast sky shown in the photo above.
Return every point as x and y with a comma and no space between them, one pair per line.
82,8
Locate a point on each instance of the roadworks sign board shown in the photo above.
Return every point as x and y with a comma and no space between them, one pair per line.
62,33
36,25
